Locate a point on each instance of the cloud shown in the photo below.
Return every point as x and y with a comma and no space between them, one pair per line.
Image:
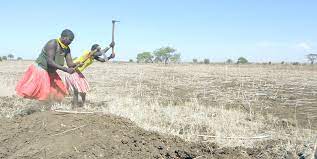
305,46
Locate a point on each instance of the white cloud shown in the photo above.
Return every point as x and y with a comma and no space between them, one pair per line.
305,46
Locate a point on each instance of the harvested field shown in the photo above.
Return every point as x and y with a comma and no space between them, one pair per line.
174,111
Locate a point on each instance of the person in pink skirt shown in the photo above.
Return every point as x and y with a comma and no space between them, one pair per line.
41,81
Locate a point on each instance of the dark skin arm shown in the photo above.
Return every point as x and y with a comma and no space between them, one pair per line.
100,59
69,60
98,54
51,50
102,52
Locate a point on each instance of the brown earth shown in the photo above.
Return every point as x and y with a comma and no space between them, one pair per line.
50,134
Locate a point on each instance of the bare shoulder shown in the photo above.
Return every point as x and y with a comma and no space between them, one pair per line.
51,44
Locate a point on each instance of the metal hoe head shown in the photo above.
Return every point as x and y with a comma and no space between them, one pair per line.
114,21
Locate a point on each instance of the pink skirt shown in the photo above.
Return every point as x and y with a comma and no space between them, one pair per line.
77,82
38,84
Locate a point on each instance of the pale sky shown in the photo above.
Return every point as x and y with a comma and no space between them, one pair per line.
267,30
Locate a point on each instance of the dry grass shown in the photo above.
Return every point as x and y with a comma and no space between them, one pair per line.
189,120
228,102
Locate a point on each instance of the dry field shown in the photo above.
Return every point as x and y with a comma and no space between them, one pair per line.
240,111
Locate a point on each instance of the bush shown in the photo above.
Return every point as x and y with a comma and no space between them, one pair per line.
229,61
4,58
0,59
206,61
176,58
295,63
145,57
195,61
242,60
19,58
131,61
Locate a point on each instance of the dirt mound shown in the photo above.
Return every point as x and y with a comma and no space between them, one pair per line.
34,132
58,135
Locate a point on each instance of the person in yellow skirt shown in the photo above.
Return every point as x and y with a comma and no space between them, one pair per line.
76,82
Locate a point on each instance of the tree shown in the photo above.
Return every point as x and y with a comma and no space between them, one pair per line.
242,60
206,61
195,61
164,54
312,58
131,60
229,61
19,58
145,57
10,56
0,59
4,58
157,60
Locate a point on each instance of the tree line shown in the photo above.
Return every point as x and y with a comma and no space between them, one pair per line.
168,54
9,57
241,60
162,55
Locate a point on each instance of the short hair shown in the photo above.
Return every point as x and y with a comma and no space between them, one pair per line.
94,47
68,33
